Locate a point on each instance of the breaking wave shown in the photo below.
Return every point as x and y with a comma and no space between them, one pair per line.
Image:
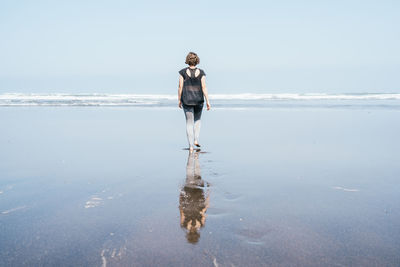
218,100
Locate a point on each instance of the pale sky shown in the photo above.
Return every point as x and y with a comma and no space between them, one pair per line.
244,46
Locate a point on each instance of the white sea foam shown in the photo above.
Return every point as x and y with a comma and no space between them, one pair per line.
365,96
163,100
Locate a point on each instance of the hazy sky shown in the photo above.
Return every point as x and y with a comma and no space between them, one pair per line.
244,46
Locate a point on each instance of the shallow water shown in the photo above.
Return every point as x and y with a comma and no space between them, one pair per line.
277,187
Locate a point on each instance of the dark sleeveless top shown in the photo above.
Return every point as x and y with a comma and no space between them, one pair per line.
192,93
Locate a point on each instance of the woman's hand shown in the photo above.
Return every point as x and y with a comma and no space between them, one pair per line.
205,92
180,104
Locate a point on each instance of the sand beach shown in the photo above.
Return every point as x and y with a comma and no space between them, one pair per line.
108,186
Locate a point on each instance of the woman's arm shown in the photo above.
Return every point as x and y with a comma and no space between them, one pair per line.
180,86
205,92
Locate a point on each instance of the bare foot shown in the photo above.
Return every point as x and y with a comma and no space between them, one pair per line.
197,144
191,149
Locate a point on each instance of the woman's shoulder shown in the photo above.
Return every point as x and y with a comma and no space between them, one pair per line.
182,71
202,72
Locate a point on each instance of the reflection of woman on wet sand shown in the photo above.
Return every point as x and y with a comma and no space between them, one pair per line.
193,200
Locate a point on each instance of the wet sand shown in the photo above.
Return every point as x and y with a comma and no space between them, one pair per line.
270,187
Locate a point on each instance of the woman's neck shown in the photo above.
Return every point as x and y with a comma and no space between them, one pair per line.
192,67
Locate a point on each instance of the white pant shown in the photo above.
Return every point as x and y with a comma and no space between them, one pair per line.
193,122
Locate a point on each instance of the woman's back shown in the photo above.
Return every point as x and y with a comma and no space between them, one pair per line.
192,93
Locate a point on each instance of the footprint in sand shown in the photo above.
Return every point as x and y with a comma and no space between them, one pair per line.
216,212
252,236
231,196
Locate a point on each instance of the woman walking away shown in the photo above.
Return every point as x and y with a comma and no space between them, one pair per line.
191,93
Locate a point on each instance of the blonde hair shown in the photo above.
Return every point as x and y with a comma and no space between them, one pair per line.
192,59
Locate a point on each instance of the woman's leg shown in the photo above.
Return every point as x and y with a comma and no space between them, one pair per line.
189,114
197,122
